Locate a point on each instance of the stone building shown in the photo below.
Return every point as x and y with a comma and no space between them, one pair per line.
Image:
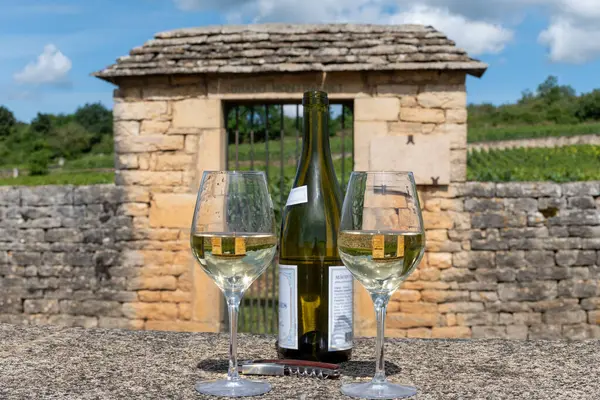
405,80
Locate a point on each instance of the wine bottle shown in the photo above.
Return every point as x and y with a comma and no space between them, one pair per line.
315,288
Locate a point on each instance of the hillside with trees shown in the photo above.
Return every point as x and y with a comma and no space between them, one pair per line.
84,139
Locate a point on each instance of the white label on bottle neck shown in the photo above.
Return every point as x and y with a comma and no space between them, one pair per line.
340,309
297,195
288,306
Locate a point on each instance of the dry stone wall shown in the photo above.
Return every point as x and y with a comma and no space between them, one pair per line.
508,260
514,260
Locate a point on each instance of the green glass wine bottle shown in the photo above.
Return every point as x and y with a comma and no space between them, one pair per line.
315,288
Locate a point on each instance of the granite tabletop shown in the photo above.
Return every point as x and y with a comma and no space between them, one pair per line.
76,363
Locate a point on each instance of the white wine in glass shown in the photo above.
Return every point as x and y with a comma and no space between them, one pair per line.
233,239
381,241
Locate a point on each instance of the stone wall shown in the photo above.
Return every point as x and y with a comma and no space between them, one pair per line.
525,263
514,260
73,256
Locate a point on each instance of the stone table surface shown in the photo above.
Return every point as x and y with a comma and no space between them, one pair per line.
76,363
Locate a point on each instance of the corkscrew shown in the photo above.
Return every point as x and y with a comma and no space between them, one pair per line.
300,368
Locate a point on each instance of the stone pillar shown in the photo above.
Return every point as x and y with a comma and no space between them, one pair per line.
166,134
428,108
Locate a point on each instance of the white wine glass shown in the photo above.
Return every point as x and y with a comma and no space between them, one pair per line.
381,241
233,239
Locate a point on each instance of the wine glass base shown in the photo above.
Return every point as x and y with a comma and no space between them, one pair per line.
384,390
237,388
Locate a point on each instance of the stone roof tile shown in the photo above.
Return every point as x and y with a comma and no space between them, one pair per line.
292,48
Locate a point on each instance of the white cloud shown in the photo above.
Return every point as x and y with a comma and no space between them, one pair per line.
570,43
480,27
476,37
51,67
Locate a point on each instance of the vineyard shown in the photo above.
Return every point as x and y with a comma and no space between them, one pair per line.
484,134
559,164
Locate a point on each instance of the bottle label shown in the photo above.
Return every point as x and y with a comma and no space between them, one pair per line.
340,309
297,195
288,311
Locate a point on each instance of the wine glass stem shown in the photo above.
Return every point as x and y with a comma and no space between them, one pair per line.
233,304
380,303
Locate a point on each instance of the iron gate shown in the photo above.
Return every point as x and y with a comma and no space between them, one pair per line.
268,137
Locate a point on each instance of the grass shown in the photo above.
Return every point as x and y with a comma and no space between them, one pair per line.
91,161
482,134
289,149
559,164
63,178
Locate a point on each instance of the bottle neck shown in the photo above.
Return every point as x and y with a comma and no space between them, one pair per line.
315,144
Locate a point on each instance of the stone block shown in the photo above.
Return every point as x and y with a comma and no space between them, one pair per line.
523,204
11,302
546,203
594,317
46,195
424,115
489,332
581,231
10,196
408,320
456,116
527,318
457,275
171,162
578,288
545,332
149,296
41,306
540,259
528,189
582,202
162,206
197,113
576,217
489,220
581,189
555,305
166,282
564,317
477,189
590,244
410,128
439,220
93,308
185,311
483,204
64,235
441,296
440,260
126,129
151,311
592,303
528,291
442,99
461,307
377,109
149,178
152,127
510,259
126,161
478,318
485,297
145,144
517,332
25,258
567,258
139,110
406,295
176,296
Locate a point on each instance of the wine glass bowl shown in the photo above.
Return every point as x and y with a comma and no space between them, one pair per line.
233,239
381,241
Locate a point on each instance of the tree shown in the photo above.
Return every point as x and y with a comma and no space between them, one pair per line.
7,121
588,108
95,118
41,124
70,141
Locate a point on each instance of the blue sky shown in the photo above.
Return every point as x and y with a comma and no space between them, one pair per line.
49,48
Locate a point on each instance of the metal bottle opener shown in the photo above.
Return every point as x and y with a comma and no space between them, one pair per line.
290,367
